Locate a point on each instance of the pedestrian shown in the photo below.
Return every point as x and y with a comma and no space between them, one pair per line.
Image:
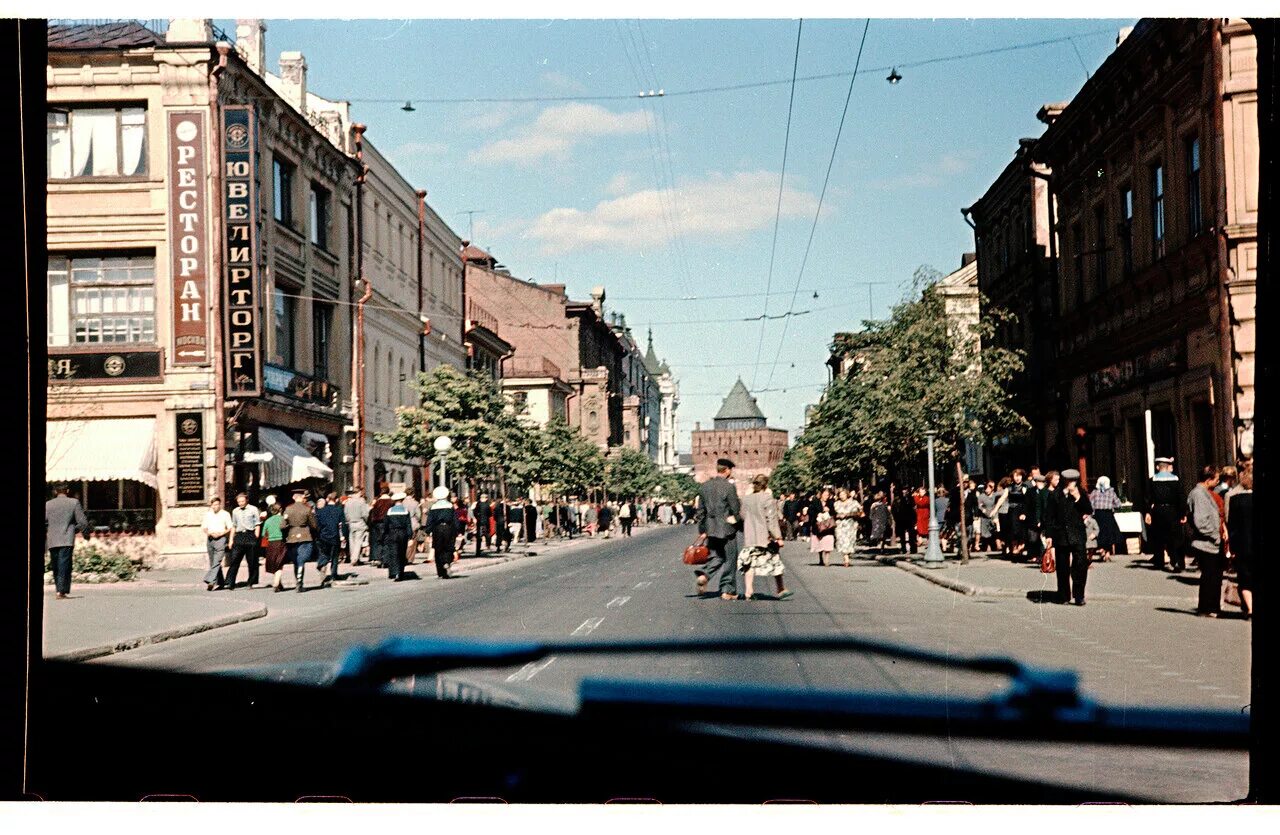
217,532
1204,524
246,527
880,521
1106,502
1017,502
483,513
971,512
1035,513
530,529
1165,512
299,526
761,553
590,519
63,516
1240,536
605,517
1068,508
331,531
1004,538
398,530
941,501
273,533
501,527
412,505
442,526
719,515
986,523
463,519
848,511
356,511
822,511
626,516
922,501
904,519
377,528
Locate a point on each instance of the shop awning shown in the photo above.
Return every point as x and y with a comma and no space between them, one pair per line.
101,450
290,462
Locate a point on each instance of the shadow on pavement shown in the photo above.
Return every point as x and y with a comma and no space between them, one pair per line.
1042,596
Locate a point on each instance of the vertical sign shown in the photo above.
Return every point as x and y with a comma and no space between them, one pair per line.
240,303
189,456
188,260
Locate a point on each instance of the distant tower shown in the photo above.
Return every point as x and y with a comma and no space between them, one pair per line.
742,435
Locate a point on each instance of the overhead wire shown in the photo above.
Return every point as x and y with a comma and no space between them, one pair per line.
777,217
835,146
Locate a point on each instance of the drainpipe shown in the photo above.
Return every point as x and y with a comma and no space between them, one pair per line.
215,298
361,461
463,334
422,220
1226,379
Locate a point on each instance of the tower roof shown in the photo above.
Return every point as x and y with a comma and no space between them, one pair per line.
651,363
739,404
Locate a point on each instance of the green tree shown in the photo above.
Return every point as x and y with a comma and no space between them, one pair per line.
630,474
678,487
567,460
794,473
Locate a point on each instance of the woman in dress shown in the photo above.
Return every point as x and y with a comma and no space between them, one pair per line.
1003,540
1240,538
761,553
273,533
847,512
986,516
442,528
880,521
822,516
922,512
1105,503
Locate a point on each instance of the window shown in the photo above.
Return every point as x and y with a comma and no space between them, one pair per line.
283,190
286,314
105,298
1099,249
321,328
1157,212
319,219
1195,215
96,142
1077,258
1126,229
377,378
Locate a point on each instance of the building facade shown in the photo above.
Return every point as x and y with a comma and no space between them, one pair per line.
1155,179
668,402
742,435
199,284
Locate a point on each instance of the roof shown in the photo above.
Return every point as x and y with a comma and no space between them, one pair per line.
476,255
966,276
121,35
651,363
739,404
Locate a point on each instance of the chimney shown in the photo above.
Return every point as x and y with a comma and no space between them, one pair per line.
968,258
189,30
597,301
293,72
251,43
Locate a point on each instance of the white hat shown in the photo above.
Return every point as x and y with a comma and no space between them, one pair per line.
1103,483
1164,460
398,496
440,492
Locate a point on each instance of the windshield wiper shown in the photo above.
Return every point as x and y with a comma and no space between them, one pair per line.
1039,704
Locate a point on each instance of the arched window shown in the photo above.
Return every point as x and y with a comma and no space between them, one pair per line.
402,385
377,389
391,380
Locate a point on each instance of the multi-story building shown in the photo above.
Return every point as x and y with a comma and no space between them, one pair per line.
1155,179
199,284
566,360
668,402
641,397
1016,275
742,435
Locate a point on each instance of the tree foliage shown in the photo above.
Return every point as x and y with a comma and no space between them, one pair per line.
630,474
916,370
794,473
567,461
678,487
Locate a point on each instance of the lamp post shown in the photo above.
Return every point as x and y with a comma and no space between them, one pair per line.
933,553
443,444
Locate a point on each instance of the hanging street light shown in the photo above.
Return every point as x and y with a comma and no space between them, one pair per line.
894,76
408,107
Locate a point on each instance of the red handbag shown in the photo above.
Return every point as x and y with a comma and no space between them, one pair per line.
696,554
1047,563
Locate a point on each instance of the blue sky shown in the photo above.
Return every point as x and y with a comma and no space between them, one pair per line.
665,198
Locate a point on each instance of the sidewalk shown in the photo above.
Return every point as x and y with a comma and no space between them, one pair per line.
103,619
1127,577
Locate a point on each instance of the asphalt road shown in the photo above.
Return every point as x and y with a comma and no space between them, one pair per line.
1135,652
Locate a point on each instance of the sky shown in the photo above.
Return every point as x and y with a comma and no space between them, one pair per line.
671,202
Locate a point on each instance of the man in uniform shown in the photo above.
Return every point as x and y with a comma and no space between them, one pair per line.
483,512
1165,512
356,511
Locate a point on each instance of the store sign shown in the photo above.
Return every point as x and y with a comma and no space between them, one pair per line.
99,365
240,303
299,386
189,456
188,265
1156,364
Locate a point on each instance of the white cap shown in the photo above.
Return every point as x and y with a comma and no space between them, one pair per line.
440,492
398,497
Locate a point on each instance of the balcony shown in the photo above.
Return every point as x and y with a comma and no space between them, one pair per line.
299,386
525,367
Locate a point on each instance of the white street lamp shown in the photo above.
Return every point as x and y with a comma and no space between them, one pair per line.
933,553
443,444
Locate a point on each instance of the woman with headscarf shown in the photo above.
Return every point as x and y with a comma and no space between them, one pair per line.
1106,502
442,529
761,552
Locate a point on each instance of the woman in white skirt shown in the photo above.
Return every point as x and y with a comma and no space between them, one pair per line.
761,538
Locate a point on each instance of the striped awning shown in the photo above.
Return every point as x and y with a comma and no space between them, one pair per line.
290,462
101,450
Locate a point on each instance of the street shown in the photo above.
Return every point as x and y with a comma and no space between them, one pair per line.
1124,648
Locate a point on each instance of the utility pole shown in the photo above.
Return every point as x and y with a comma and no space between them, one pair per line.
471,222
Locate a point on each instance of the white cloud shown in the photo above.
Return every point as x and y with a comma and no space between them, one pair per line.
932,175
717,205
556,131
562,83
410,150
620,184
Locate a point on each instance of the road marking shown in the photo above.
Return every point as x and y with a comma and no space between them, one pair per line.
1170,673
588,626
644,584
1231,696
617,602
531,669
1207,687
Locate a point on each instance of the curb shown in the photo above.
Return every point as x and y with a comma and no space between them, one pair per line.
159,637
970,590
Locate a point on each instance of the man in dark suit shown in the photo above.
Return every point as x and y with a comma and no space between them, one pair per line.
1165,513
719,515
483,513
1068,507
63,516
501,516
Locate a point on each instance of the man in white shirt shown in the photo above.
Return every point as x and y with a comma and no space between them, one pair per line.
217,529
